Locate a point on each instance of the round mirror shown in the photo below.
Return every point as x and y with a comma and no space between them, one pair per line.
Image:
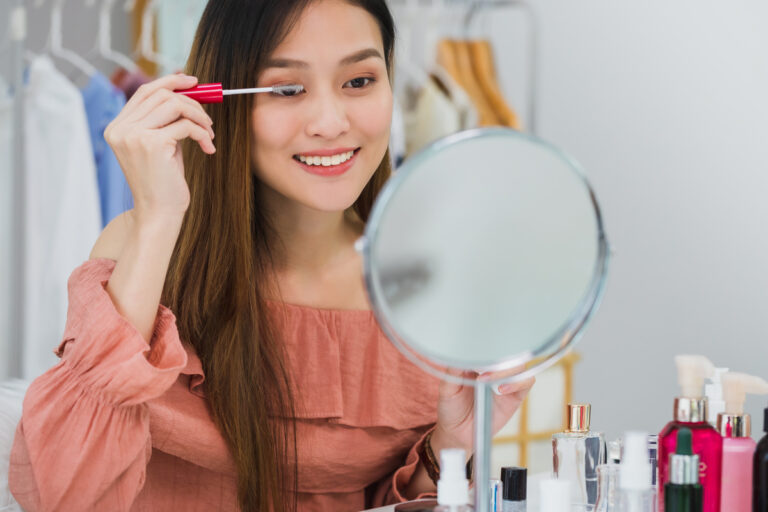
485,252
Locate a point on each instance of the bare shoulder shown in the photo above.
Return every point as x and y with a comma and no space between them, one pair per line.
112,239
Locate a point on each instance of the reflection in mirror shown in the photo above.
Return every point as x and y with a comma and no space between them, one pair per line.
487,246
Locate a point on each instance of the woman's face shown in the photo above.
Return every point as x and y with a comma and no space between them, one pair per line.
336,52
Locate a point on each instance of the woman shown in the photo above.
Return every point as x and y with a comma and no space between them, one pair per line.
219,351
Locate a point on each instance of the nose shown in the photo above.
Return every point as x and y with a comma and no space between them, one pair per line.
327,116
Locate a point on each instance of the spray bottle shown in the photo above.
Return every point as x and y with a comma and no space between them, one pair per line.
635,490
453,486
691,412
738,446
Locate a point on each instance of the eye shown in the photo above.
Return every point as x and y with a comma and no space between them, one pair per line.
287,92
358,83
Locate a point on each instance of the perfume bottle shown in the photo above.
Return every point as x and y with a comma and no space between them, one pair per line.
576,454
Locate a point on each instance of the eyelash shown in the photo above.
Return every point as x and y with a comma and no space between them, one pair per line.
371,81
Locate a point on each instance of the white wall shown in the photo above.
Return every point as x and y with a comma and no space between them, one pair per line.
664,104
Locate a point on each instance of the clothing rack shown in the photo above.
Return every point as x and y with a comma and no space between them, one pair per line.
533,46
16,34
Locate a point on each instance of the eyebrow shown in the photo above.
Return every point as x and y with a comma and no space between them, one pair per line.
346,61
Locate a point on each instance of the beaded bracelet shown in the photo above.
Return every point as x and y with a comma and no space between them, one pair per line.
430,463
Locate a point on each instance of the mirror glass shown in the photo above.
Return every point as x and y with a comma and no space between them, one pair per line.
485,252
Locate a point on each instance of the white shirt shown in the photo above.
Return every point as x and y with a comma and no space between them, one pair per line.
62,207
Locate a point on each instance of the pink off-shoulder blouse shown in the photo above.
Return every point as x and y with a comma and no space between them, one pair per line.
119,424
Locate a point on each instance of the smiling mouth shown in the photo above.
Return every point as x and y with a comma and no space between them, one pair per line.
326,161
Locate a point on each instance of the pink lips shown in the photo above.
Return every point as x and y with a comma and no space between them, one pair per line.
331,170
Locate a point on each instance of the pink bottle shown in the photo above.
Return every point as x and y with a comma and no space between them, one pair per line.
738,447
691,412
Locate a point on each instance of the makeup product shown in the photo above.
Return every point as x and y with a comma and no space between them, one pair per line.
738,446
760,471
607,488
495,496
683,493
713,392
453,486
653,458
576,454
555,495
514,482
214,93
691,412
636,493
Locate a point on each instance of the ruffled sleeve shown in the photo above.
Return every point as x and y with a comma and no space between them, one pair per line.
83,442
392,488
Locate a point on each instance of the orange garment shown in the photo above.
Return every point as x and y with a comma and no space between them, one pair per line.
119,424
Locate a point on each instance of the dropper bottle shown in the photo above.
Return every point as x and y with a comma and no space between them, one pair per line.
690,411
453,486
683,493
738,446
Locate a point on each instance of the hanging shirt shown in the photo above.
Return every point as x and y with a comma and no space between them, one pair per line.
62,213
103,101
129,81
124,425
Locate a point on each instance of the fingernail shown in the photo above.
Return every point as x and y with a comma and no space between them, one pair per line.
497,389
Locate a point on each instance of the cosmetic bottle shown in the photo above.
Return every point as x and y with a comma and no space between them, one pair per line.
453,486
576,454
683,493
514,482
760,471
636,493
555,495
713,392
738,446
607,488
690,411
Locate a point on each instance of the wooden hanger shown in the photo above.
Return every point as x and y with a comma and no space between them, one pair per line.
454,57
485,74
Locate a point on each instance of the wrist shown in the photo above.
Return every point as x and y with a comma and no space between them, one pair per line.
441,440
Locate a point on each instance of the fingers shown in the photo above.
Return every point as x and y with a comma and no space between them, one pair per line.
520,388
173,82
173,109
184,128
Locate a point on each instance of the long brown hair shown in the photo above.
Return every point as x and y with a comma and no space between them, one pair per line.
223,257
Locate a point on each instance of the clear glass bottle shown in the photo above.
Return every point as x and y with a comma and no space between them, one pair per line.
577,453
607,488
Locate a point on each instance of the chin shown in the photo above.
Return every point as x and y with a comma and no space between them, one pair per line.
336,202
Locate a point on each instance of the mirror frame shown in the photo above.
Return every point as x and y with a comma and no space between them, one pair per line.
553,349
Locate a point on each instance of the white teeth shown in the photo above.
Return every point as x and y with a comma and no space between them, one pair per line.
325,161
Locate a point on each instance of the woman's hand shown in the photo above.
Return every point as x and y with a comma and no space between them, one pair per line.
455,411
145,138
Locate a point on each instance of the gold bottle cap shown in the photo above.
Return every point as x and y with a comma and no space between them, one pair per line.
690,410
578,417
734,425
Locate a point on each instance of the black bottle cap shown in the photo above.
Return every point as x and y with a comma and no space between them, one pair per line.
515,481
